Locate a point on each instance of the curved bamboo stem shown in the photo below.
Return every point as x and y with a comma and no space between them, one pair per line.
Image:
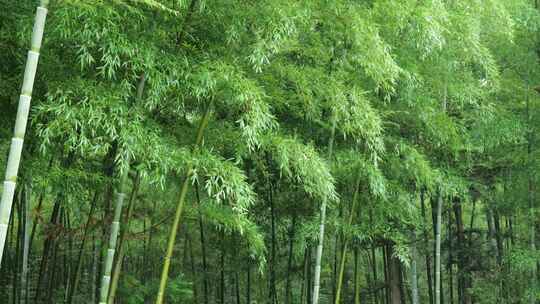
178,214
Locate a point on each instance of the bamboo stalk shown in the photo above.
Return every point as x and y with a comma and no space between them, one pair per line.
15,151
318,258
178,214
106,278
78,266
121,248
345,245
438,249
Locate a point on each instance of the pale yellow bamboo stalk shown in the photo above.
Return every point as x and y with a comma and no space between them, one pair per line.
15,151
115,227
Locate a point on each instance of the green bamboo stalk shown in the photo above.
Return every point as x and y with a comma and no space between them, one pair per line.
79,262
15,151
106,279
179,208
345,245
531,195
318,259
121,248
25,208
414,275
438,249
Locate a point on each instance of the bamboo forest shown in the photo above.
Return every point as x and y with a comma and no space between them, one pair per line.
270,151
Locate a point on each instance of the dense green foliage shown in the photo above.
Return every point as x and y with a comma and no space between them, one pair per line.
422,100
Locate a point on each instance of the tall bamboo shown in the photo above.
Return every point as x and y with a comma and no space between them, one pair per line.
178,214
121,248
79,261
438,250
414,275
346,243
27,222
106,278
15,151
318,258
531,194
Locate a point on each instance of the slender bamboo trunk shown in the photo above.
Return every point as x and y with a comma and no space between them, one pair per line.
346,241
203,247
337,246
222,270
248,283
53,271
27,223
48,244
237,287
17,264
498,237
273,261
531,194
464,281
318,257
189,244
78,266
309,296
305,285
356,276
491,232
121,248
68,249
426,248
394,274
178,213
35,222
115,227
118,259
414,276
15,151
374,272
386,275
449,266
290,261
93,285
438,249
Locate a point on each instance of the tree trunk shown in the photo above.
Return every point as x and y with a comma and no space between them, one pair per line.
318,257
15,151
